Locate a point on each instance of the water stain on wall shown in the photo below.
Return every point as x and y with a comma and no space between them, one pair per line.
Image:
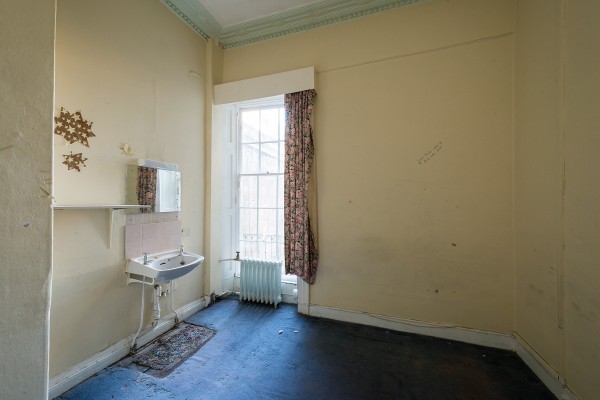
589,316
536,290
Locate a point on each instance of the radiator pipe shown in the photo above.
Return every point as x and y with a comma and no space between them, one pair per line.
237,257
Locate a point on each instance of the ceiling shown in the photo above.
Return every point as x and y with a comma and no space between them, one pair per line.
241,22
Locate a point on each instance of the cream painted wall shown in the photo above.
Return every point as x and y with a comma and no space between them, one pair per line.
557,151
413,137
139,74
538,176
396,33
213,157
26,100
582,198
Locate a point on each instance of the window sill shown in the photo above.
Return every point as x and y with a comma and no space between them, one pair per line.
289,279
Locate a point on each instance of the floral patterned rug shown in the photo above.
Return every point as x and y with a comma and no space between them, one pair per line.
170,350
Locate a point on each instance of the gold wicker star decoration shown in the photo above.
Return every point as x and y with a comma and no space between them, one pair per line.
74,161
73,128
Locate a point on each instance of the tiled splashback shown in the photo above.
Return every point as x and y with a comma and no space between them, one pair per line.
151,237
133,219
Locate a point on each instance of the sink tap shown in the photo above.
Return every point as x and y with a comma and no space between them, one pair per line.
181,254
145,257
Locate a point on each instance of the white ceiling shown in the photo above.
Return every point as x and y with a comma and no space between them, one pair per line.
237,23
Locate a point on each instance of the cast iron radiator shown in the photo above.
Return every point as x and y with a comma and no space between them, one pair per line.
260,281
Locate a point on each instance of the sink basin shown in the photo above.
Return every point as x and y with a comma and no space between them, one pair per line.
164,267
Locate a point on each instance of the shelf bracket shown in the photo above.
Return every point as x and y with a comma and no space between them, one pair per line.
111,220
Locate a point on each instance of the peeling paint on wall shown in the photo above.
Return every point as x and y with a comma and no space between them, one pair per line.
12,137
45,183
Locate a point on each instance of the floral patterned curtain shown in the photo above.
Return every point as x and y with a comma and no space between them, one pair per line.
146,188
301,254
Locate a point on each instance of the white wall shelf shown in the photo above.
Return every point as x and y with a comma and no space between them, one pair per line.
110,208
97,207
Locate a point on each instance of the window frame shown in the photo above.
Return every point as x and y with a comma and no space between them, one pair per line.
266,103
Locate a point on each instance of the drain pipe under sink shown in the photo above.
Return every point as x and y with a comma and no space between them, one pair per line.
171,294
157,295
134,341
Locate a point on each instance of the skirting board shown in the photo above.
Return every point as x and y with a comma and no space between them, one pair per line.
483,338
80,372
473,336
545,372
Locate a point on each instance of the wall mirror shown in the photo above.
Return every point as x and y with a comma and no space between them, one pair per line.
153,186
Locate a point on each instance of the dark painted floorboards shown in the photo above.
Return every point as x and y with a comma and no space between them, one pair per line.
249,359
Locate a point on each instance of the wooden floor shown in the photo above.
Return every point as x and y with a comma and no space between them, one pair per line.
262,353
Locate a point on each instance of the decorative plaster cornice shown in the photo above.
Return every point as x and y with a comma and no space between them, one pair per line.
186,18
299,19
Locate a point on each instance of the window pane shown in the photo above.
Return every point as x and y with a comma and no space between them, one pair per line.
269,125
281,157
249,159
272,249
248,224
269,154
280,224
248,191
247,249
280,192
250,125
267,191
267,222
282,123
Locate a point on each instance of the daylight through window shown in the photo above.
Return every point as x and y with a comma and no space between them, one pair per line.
261,182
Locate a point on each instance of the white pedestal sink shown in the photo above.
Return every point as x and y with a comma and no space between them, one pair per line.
162,267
